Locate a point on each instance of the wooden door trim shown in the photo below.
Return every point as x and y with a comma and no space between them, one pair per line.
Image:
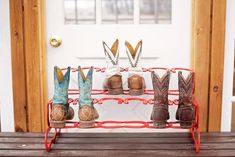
201,39
18,65
208,59
29,49
43,56
218,24
28,64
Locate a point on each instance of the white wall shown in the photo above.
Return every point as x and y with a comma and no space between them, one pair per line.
6,96
228,67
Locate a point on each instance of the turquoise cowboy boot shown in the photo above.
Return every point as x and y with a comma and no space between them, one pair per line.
87,112
61,110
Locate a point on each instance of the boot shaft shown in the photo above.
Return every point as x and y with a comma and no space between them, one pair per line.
85,87
134,55
160,88
186,110
112,59
186,88
61,85
112,53
60,108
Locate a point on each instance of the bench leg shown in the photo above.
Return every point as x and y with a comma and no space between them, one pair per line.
49,142
195,133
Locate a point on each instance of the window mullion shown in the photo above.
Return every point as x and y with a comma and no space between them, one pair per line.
76,12
136,12
98,12
116,12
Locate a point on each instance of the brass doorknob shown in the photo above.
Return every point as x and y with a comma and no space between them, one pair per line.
55,41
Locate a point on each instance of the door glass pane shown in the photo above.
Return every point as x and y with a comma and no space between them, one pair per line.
155,11
86,11
117,11
80,11
69,11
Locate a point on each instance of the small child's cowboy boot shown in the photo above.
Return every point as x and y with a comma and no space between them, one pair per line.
160,113
61,110
113,81
136,83
87,112
186,110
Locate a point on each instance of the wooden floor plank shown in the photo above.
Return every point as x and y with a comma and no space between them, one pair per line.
210,146
98,140
117,153
70,140
117,144
103,135
100,146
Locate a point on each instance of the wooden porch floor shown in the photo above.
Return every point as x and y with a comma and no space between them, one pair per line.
117,144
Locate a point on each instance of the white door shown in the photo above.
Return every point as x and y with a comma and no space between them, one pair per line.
228,86
163,25
6,92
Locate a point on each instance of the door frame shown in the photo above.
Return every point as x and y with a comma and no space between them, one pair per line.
209,20
27,20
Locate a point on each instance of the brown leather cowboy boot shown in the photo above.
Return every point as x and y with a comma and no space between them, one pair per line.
160,113
113,81
186,110
136,83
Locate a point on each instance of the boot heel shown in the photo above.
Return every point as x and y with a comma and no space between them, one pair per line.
136,92
159,124
114,85
186,116
115,91
185,124
87,124
57,124
136,85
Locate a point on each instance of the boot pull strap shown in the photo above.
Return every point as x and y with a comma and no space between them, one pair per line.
81,77
114,48
61,85
188,79
186,84
162,80
113,53
67,78
89,75
58,75
133,54
60,79
82,73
